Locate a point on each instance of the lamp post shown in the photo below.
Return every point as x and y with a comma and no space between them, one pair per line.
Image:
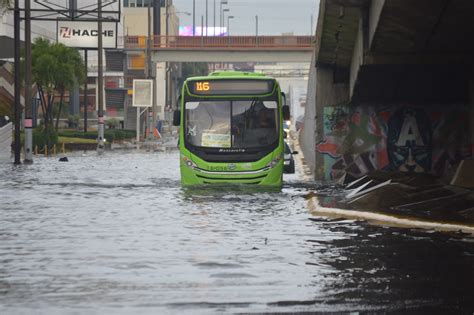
256,30
221,16
228,27
194,17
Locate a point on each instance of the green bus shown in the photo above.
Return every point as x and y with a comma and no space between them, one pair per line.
231,129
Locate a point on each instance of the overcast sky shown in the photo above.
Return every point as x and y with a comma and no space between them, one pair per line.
274,16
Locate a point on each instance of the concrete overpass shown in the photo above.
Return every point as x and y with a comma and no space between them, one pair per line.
391,87
225,49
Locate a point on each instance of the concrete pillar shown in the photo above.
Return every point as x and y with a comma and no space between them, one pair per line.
328,93
74,100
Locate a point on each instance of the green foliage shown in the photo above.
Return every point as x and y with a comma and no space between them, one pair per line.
55,68
73,121
112,123
44,136
109,134
192,69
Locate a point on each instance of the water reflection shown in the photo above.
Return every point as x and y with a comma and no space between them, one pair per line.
118,234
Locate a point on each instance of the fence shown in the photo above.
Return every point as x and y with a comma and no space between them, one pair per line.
222,42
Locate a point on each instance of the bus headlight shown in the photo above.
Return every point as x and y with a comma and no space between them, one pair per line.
188,162
274,162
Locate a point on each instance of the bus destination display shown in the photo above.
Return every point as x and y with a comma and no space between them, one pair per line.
230,87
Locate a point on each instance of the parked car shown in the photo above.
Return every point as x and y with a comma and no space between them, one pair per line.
289,161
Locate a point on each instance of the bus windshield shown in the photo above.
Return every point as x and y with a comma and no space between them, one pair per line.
231,124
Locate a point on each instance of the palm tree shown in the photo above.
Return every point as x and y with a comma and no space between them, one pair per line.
55,68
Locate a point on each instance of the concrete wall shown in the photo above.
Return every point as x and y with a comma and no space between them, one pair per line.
409,138
307,132
136,21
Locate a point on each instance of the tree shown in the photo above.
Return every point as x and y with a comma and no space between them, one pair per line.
191,69
55,69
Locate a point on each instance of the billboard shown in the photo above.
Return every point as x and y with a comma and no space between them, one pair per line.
142,93
198,31
85,34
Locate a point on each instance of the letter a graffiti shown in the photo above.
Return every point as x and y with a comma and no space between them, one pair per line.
409,132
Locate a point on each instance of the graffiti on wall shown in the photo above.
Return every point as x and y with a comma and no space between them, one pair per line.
361,139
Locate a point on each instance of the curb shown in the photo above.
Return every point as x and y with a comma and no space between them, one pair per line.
386,220
372,217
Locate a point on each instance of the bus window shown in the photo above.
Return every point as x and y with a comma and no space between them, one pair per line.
236,124
208,124
256,123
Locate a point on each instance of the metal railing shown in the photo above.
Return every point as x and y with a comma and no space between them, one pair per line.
222,42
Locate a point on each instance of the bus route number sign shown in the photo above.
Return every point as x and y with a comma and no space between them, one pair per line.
202,86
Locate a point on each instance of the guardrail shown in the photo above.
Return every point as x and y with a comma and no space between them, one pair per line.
222,42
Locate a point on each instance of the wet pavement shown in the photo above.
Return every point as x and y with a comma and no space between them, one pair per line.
117,234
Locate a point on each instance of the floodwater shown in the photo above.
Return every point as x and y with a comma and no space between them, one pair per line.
116,234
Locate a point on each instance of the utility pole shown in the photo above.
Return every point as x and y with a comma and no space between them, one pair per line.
256,30
149,70
28,124
85,90
214,28
100,85
16,26
194,17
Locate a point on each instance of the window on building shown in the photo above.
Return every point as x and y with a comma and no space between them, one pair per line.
137,3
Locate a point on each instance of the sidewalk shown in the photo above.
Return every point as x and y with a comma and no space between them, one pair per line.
397,199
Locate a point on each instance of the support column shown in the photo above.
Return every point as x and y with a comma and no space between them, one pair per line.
16,23
328,93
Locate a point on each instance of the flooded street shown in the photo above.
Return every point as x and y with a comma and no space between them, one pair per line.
117,234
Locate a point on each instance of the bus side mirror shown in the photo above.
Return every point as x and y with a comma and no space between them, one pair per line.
286,112
176,117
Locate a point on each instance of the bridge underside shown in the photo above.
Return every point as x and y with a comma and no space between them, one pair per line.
393,88
196,55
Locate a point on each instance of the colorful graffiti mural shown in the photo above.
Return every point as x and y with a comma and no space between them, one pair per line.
361,139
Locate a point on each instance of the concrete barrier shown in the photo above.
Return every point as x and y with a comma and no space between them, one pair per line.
6,137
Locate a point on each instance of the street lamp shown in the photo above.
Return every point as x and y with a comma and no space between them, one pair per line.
256,30
228,26
221,15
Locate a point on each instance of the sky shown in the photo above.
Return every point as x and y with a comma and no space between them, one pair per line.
274,16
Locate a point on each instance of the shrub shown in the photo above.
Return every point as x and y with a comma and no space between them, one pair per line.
112,123
73,121
110,135
44,137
